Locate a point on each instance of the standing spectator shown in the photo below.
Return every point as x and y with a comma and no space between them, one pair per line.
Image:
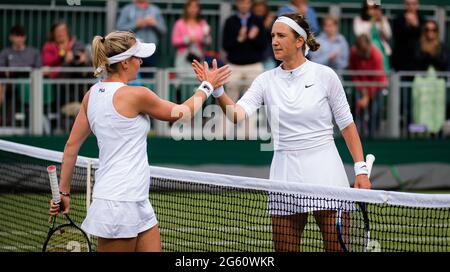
407,29
366,57
302,7
146,21
244,42
18,55
190,35
333,51
431,51
261,9
373,23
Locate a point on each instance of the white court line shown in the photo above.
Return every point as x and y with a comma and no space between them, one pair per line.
21,233
303,242
19,248
310,227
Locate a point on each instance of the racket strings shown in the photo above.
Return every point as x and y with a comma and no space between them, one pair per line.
67,239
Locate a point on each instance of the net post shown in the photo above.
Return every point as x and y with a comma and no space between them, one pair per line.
36,100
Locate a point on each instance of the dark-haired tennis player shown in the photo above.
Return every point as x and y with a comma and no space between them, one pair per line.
303,97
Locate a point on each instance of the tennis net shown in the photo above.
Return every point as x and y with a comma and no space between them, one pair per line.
210,212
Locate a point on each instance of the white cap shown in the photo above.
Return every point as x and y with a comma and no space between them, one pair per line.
139,49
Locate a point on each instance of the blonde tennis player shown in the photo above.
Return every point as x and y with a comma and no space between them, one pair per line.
303,97
121,215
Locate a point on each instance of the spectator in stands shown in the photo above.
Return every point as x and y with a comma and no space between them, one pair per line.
302,7
244,42
63,49
431,51
407,28
364,56
373,23
146,21
261,9
333,51
190,35
18,55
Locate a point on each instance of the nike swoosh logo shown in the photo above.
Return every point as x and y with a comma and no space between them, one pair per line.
307,86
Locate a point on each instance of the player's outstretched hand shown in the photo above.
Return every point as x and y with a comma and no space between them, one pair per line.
216,76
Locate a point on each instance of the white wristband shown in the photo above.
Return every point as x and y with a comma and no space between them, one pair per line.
218,92
361,168
206,87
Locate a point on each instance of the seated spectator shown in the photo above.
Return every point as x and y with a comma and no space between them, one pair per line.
261,9
366,57
431,51
302,7
190,35
64,50
333,51
15,96
373,23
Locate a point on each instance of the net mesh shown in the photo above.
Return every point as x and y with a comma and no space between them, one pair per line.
24,201
209,212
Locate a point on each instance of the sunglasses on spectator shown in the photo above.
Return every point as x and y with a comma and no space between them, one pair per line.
431,29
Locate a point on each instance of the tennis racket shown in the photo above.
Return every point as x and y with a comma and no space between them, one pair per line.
66,237
352,223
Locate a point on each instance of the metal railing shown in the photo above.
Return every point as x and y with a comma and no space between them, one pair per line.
34,104
99,17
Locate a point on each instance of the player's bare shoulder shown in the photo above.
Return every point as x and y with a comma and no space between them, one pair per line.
138,95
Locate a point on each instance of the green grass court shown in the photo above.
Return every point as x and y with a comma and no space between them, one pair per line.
195,221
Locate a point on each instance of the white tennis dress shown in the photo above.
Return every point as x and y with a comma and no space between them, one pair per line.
301,104
120,206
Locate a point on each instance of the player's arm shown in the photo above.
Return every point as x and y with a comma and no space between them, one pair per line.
234,113
148,102
351,137
80,131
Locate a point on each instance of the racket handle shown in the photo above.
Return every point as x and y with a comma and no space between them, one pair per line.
52,221
53,178
370,159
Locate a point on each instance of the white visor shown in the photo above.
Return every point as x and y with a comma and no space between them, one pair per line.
139,49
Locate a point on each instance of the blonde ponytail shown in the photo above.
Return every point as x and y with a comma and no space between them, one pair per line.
104,47
100,59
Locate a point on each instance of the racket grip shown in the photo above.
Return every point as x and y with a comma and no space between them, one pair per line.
370,159
53,178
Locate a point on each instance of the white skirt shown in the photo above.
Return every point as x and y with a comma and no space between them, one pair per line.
118,219
321,165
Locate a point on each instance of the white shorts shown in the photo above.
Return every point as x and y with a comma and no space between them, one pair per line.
119,219
321,165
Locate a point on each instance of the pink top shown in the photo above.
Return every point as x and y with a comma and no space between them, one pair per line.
182,35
